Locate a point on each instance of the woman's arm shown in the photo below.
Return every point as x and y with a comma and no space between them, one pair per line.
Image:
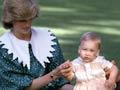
51,76
42,81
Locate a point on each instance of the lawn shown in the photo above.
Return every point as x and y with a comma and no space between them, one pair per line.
69,19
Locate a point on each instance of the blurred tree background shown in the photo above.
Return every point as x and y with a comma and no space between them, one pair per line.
69,19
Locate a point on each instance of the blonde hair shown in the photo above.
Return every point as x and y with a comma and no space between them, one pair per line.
18,10
91,36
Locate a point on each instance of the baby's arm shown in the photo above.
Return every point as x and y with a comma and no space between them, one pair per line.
118,78
71,75
113,72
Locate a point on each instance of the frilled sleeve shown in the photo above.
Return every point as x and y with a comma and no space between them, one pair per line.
13,76
55,61
106,64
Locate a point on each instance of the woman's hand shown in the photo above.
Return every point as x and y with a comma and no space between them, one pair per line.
64,69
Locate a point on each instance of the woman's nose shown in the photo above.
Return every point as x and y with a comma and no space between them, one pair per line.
28,24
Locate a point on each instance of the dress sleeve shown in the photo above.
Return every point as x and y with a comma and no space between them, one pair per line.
13,76
106,64
55,61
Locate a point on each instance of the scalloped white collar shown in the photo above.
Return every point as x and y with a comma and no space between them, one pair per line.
41,42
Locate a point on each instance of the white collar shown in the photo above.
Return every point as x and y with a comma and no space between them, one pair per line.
41,41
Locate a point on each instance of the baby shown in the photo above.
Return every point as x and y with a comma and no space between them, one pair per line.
90,69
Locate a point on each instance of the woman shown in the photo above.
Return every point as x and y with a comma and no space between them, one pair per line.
29,57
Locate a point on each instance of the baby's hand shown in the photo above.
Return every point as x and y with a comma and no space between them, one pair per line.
62,70
109,84
65,65
66,70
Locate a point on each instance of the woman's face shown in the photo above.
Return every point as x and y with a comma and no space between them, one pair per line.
88,50
22,26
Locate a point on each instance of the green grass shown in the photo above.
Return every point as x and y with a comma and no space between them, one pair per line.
69,19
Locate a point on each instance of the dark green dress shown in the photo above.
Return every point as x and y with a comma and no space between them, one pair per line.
15,76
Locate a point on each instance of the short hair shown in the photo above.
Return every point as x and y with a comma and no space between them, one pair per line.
18,10
91,36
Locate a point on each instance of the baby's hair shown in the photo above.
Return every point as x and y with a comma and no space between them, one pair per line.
91,36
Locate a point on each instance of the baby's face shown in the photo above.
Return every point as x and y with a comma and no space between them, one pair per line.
88,50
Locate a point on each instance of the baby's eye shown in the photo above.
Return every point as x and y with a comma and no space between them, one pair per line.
92,50
84,49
